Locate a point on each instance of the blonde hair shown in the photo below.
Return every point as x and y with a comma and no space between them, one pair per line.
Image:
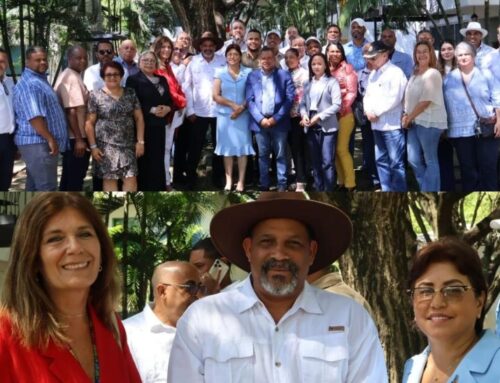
24,296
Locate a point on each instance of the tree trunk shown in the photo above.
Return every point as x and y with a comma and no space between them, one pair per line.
376,265
196,16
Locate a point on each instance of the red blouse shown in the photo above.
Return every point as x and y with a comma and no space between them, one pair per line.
348,80
178,96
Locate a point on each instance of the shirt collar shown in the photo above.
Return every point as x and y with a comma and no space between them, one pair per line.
152,321
33,73
384,67
267,74
479,358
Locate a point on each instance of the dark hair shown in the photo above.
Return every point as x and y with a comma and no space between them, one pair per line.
253,30
3,50
462,256
441,63
432,55
237,21
72,50
340,48
34,49
333,26
96,46
112,64
236,47
327,67
208,247
266,49
295,51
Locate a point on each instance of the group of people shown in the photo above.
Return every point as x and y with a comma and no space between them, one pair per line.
279,324
290,107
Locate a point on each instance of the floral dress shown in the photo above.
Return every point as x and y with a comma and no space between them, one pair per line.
115,133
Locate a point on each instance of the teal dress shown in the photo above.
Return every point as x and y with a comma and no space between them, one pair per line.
233,136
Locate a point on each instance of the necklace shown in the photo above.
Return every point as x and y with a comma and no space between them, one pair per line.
97,373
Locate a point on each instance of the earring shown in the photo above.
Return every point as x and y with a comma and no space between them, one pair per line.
100,268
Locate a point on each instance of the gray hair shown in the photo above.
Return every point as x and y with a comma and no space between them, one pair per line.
34,49
148,53
467,47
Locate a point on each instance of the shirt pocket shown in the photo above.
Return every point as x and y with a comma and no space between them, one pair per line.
229,361
324,358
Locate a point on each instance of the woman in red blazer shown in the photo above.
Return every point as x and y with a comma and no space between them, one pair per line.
57,319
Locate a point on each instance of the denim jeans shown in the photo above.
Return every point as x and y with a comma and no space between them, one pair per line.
74,169
422,149
389,157
272,139
40,166
478,159
322,151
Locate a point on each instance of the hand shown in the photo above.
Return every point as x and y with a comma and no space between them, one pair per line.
97,154
314,120
371,117
54,148
211,285
272,122
139,150
265,123
240,109
162,110
191,118
497,129
80,147
305,121
405,121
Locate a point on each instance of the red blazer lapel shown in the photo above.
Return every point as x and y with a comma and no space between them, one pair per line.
63,365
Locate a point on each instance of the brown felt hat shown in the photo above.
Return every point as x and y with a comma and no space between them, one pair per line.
208,36
330,226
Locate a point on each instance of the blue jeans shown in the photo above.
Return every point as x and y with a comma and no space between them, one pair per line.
422,149
389,157
40,166
478,160
322,152
272,139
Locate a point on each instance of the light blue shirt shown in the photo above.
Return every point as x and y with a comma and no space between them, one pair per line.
481,53
268,93
480,365
484,90
354,55
34,97
404,62
492,62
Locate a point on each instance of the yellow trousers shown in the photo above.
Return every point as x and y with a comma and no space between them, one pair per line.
343,158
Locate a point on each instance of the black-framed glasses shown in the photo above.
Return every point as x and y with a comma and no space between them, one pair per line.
103,52
453,293
191,287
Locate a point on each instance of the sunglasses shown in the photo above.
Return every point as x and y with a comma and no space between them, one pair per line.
103,52
191,287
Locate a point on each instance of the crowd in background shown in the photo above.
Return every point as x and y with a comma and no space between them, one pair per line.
286,108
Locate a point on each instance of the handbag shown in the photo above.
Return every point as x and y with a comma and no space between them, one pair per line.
484,127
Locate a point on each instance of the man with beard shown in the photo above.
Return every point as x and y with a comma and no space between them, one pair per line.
250,58
274,326
354,48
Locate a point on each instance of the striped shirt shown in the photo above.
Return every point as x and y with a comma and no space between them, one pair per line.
34,97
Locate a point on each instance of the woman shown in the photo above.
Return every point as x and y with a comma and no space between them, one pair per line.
57,319
297,137
233,135
115,130
424,117
153,94
448,293
477,156
447,60
163,47
321,102
348,81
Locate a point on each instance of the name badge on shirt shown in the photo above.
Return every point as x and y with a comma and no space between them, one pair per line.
336,328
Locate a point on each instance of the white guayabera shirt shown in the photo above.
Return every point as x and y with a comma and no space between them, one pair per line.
231,337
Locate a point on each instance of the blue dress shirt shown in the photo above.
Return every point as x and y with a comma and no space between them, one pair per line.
354,55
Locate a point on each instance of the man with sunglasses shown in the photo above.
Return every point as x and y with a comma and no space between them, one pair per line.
104,52
150,333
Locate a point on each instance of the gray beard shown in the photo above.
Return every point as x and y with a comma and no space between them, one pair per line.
276,285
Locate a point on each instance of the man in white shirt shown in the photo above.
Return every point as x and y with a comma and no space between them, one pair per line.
383,106
238,31
474,35
7,124
198,86
274,326
298,43
151,332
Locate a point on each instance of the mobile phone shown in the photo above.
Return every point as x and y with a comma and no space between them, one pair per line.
218,270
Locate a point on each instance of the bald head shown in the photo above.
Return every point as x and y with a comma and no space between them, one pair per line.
173,272
127,50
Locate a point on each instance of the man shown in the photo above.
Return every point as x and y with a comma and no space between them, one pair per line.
203,256
73,97
300,44
383,106
41,132
354,48
186,43
333,34
238,31
275,327
250,58
291,34
270,93
104,52
400,59
426,35
7,124
273,41
150,333
126,57
313,46
199,78
474,35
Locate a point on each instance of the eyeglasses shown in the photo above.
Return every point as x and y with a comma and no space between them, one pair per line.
192,288
103,52
449,293
109,75
148,61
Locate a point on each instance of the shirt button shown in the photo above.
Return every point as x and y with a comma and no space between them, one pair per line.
276,329
277,364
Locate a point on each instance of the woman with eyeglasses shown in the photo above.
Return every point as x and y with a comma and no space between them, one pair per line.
59,296
448,293
153,93
115,130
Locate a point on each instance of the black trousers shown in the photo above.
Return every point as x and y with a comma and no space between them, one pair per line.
7,153
180,152
297,141
74,169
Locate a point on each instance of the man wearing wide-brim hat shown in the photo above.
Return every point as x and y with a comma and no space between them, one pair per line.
273,326
474,35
